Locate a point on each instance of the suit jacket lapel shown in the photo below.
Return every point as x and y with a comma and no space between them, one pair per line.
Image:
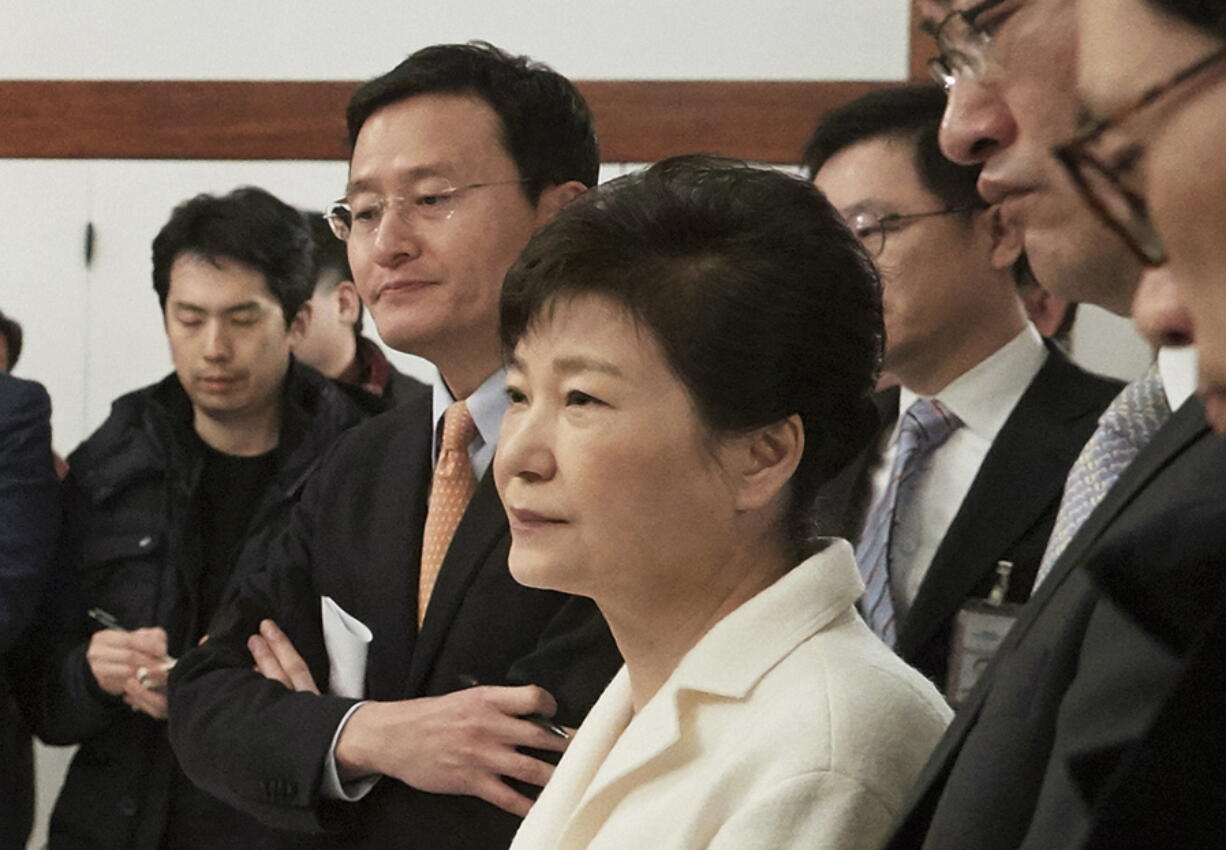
483,527
389,581
1021,476
1185,426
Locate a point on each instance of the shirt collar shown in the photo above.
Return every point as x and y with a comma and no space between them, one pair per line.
486,405
985,395
1177,366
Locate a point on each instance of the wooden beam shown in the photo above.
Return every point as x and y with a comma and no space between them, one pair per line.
638,121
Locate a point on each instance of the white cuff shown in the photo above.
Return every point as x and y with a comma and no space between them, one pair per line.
332,787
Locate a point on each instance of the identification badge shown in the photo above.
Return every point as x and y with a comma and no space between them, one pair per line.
979,629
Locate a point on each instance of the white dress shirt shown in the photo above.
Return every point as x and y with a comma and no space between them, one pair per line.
982,397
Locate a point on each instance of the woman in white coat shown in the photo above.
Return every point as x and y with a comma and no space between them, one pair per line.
692,350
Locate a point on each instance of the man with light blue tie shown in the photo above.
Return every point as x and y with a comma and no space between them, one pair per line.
979,437
29,523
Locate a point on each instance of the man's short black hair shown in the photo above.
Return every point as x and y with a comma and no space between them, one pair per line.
764,303
248,226
331,259
911,113
11,331
547,128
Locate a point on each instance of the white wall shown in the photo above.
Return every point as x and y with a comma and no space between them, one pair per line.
329,39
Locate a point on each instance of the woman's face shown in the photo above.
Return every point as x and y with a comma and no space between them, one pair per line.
1126,48
613,486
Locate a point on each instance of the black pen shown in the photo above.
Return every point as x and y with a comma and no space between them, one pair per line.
539,720
108,620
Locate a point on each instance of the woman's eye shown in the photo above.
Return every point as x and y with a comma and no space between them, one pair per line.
515,396
580,398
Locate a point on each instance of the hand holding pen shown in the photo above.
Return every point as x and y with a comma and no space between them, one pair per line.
130,663
538,720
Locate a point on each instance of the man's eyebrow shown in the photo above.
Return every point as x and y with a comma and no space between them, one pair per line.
236,308
420,172
868,204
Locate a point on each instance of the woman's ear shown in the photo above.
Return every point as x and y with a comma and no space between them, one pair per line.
764,461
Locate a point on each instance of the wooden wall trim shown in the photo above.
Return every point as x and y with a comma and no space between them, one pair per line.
638,121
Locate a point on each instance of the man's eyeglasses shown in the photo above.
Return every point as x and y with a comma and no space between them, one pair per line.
872,229
964,44
361,219
1100,164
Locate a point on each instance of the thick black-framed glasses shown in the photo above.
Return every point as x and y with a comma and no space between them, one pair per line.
872,229
964,45
1099,168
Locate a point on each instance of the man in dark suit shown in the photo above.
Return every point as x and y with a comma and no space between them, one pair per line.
458,155
29,523
956,334
1076,682
332,340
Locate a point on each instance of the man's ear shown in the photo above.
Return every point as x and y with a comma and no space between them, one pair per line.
553,198
763,461
1006,239
348,304
298,327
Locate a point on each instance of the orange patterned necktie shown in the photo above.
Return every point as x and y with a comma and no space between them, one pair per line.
450,493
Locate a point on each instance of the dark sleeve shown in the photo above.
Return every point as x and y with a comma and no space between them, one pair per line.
55,688
1124,672
29,512
245,739
574,660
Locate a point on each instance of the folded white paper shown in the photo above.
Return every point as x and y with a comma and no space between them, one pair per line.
347,640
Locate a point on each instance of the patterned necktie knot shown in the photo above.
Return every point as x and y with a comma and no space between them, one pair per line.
924,427
459,431
1125,427
1137,413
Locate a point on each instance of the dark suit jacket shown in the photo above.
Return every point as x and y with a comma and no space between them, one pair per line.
356,537
1169,790
1074,686
29,521
1008,512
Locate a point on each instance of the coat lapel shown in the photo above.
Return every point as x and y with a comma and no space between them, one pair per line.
1185,427
481,529
1021,477
389,577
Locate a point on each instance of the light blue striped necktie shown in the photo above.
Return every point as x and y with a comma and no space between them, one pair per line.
924,427
1125,427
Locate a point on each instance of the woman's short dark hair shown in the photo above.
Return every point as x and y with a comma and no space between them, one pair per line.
248,226
547,128
763,302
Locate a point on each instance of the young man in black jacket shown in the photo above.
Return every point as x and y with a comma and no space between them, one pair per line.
181,477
